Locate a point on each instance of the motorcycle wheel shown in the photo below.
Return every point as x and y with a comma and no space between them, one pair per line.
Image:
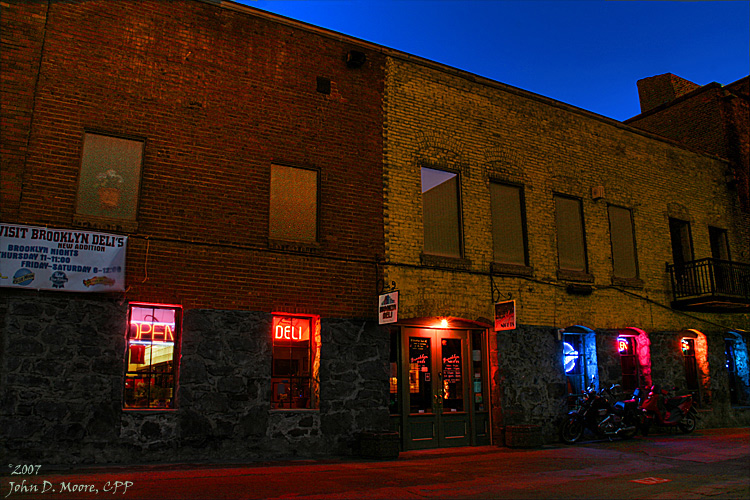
571,430
687,424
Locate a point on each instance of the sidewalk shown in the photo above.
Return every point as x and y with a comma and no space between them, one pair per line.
713,462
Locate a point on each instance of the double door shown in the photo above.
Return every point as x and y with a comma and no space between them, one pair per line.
435,384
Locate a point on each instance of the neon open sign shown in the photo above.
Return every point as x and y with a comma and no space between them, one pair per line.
623,345
153,331
290,329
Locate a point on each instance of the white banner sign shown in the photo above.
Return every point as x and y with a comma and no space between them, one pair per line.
505,315
388,308
61,259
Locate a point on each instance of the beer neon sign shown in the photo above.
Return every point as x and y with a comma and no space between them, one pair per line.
290,329
685,346
623,345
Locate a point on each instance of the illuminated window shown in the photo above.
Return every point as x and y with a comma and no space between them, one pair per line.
293,214
442,228
691,370
152,353
571,244
626,346
575,371
294,364
508,224
624,261
110,177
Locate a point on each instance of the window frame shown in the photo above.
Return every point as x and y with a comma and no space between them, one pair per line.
459,215
175,361
635,263
313,354
522,214
86,173
274,240
565,270
719,241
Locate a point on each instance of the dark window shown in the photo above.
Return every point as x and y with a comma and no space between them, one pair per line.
682,246
719,243
110,177
153,342
394,393
442,228
508,225
293,212
293,366
571,244
624,261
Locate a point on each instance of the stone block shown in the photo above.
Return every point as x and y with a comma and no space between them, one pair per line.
379,445
523,436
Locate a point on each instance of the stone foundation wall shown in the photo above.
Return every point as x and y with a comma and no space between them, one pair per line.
62,381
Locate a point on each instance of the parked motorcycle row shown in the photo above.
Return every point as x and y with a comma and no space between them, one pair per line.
601,414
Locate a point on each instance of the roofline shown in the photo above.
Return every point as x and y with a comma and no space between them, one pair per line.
335,35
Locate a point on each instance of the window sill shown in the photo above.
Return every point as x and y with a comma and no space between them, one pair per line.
510,269
576,276
444,261
105,223
628,282
294,246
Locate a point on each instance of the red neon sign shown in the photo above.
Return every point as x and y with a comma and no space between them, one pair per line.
290,329
155,332
622,345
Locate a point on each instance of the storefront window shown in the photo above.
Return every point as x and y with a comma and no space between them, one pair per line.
293,365
393,397
153,341
477,343
575,371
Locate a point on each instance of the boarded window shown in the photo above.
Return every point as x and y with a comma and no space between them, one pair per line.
110,177
294,204
442,233
623,242
508,232
571,246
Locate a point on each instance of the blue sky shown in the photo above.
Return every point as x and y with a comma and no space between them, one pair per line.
588,53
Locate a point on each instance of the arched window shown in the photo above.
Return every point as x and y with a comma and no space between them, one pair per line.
737,368
694,349
634,348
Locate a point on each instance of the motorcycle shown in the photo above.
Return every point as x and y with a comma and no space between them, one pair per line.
658,409
596,413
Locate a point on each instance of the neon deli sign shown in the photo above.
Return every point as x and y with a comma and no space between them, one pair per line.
290,329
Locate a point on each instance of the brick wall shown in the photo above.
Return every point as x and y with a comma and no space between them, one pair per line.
485,132
218,95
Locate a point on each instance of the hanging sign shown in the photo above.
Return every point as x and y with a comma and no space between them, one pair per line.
388,308
505,315
61,259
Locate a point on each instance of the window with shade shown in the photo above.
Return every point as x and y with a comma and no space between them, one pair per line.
440,213
293,210
508,225
571,243
622,238
152,354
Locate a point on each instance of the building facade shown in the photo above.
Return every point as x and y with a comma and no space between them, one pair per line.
311,238
496,195
240,155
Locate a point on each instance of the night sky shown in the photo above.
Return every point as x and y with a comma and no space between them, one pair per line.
586,53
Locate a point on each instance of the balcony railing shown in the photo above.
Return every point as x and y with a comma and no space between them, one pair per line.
711,285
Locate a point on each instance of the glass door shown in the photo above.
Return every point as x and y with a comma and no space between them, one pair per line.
436,384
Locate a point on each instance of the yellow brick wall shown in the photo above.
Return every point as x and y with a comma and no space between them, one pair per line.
445,120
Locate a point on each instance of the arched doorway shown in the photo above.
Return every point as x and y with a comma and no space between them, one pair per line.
634,347
694,349
579,360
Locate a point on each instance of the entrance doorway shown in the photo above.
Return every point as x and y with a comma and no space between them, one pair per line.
440,389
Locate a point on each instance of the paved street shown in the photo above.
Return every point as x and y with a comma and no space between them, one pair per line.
712,463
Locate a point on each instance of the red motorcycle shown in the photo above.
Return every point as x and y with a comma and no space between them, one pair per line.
658,409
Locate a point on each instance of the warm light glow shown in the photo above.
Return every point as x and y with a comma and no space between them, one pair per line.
622,345
444,323
685,345
290,329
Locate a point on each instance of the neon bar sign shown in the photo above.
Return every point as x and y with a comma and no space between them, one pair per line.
623,345
685,346
153,331
289,329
